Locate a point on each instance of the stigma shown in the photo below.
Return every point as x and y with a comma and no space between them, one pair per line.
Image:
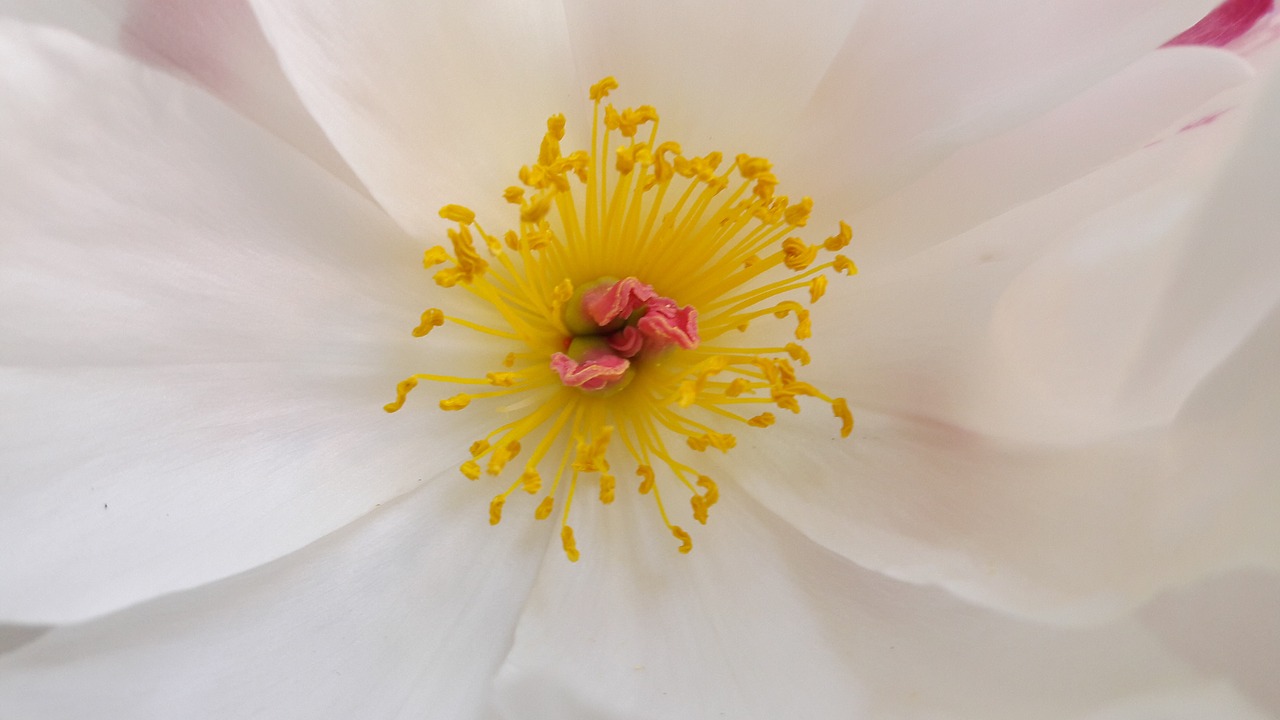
619,293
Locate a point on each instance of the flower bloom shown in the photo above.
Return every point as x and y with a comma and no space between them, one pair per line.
1058,349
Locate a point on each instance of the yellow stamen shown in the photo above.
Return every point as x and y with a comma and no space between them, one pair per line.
721,240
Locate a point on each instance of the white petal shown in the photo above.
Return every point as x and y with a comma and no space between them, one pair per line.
1030,464
1170,88
429,103
218,44
758,623
200,328
725,75
918,80
996,331
221,46
406,613
1227,627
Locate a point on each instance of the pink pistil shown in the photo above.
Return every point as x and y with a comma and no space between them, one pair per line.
664,323
619,300
595,372
626,342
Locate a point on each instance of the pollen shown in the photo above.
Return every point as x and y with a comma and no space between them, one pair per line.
619,295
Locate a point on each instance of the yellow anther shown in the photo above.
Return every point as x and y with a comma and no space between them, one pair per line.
458,213
817,288
798,215
804,328
457,402
431,319
626,159
839,240
494,245
434,256
537,208
797,255
501,379
561,293
662,169
752,167
764,187
698,442
751,261
509,360
798,353
710,491
840,408
570,545
699,506
495,509
464,250
591,455
724,442
479,447
646,484
608,486
600,90
736,388
502,455
513,195
686,543
544,508
471,469
402,391
530,480
844,265
763,420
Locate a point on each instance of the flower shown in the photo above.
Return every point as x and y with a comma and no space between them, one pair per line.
1057,351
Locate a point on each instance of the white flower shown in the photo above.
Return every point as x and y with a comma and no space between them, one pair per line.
1059,352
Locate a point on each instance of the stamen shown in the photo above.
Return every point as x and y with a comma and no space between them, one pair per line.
617,290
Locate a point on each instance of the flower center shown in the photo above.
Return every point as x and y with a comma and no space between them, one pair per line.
616,294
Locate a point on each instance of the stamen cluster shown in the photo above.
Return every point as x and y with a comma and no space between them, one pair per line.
610,291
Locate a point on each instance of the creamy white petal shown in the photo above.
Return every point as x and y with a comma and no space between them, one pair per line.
98,20
200,329
1161,92
1026,460
726,75
429,103
758,623
918,80
221,46
1228,627
215,43
405,613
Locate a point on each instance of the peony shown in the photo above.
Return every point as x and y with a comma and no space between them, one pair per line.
1057,500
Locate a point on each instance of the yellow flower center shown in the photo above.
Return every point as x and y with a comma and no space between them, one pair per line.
654,218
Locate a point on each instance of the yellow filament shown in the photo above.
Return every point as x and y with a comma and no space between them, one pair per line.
714,235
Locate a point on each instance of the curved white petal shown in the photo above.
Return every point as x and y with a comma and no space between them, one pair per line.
200,329
1162,91
1033,456
918,80
216,43
430,103
726,75
405,613
757,622
1228,627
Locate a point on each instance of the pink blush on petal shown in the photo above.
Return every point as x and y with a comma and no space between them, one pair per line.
1225,23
